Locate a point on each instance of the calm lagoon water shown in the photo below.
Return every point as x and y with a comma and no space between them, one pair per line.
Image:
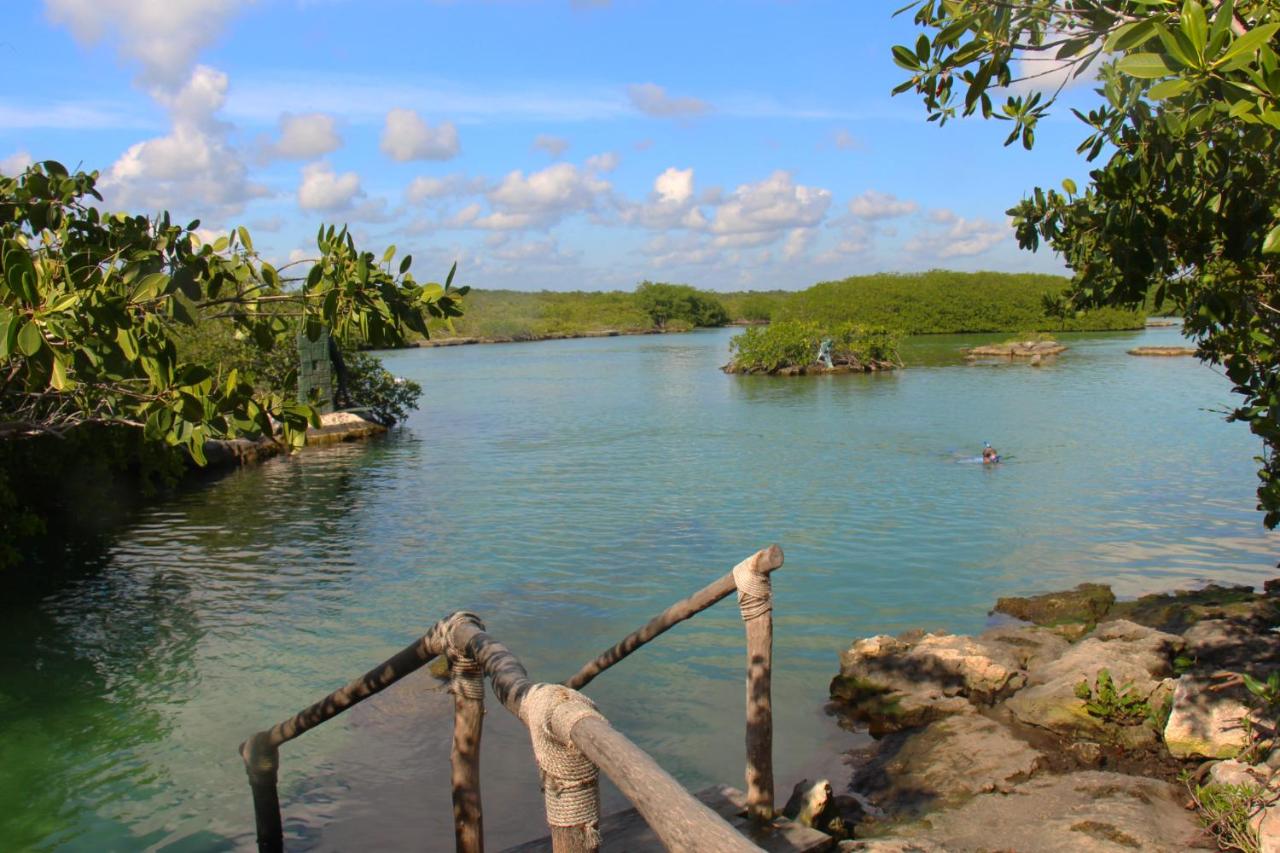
567,491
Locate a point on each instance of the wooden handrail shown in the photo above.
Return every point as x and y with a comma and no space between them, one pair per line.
767,560
680,821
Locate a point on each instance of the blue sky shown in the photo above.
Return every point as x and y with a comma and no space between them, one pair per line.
542,144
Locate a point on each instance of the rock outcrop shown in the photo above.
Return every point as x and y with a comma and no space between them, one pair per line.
1015,741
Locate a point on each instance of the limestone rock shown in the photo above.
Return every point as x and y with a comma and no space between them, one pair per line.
1085,812
1267,823
1234,644
889,845
1087,603
947,762
1029,645
1206,722
1232,772
893,684
1137,657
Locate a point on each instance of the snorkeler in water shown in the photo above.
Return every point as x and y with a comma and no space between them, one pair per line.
989,453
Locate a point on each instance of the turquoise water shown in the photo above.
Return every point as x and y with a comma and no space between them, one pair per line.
567,491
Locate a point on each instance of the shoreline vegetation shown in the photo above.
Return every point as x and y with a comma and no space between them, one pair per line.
935,302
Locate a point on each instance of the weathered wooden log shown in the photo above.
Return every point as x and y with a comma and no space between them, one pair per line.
676,816
679,820
467,686
260,753
766,560
755,600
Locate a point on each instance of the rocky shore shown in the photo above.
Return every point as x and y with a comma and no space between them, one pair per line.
1077,723
1034,350
1163,351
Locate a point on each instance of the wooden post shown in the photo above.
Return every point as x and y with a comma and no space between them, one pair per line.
261,752
766,560
755,600
468,716
262,763
680,820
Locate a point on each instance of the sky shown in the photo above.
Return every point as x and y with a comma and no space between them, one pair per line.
541,144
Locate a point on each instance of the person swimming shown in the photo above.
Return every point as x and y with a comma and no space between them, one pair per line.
989,453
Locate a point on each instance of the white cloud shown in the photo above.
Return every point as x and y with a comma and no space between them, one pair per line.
554,146
670,205
674,186
962,238
653,100
605,163
545,252
846,141
798,243
304,137
406,136
873,205
543,198
164,36
771,206
426,188
15,163
681,251
194,166
325,190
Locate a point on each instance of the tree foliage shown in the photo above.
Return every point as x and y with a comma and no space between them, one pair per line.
947,302
1185,196
670,304
92,306
793,343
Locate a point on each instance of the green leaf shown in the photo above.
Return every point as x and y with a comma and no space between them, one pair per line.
1169,88
1248,43
1144,66
1194,25
244,238
1130,36
58,378
1271,245
389,254
1069,185
29,339
150,287
8,333
405,263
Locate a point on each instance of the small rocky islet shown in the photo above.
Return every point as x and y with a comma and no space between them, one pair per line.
1077,723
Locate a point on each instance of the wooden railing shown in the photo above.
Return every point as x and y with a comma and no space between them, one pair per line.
572,741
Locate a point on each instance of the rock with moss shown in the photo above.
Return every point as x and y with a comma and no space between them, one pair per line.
1086,604
895,683
1137,660
1175,612
1207,721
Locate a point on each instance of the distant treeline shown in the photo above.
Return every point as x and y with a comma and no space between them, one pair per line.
940,301
918,303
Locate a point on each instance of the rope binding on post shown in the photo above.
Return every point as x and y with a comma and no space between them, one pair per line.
568,777
755,590
466,676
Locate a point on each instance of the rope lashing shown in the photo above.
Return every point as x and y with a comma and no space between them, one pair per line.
755,591
568,777
466,676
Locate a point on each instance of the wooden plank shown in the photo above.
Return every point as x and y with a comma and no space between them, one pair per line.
627,831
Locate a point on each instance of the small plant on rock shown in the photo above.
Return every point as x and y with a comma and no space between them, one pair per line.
1227,813
1123,706
1267,693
